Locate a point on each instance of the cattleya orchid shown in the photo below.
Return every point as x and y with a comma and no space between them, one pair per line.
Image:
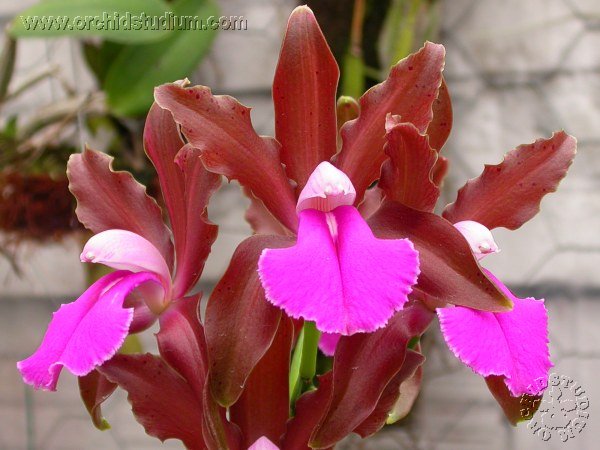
89,331
347,254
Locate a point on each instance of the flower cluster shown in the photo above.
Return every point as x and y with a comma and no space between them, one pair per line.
348,254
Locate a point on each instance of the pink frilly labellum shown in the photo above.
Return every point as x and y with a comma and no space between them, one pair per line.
89,331
512,344
338,274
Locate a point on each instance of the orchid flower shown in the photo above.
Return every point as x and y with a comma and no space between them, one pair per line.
84,334
339,216
133,239
338,274
346,238
511,344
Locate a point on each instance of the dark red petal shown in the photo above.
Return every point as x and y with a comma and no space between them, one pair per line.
304,96
220,127
260,219
310,407
449,271
440,170
263,408
162,142
372,202
364,364
516,409
151,385
114,200
240,323
390,395
406,175
94,389
181,342
509,194
441,124
409,391
218,432
200,234
186,187
409,92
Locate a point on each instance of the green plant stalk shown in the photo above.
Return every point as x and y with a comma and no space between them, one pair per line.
304,362
353,65
295,386
308,362
403,44
353,75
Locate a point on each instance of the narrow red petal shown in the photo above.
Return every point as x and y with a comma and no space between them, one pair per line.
260,219
406,175
390,395
449,271
151,385
304,91
240,323
440,170
115,200
218,432
162,141
509,194
310,407
516,409
263,408
409,92
440,126
94,389
182,344
364,364
220,128
200,234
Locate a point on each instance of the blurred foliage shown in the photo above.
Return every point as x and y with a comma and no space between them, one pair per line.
126,63
367,37
70,12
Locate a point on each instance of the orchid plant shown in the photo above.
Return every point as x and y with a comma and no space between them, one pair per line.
348,255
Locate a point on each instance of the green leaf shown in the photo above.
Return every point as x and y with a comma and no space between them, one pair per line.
138,69
304,361
131,21
100,56
295,380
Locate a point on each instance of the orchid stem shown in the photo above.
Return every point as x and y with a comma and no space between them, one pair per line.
308,362
304,362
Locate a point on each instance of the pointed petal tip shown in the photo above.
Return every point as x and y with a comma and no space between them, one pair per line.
263,443
302,10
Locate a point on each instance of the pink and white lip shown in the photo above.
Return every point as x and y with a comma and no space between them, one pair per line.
338,275
479,237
